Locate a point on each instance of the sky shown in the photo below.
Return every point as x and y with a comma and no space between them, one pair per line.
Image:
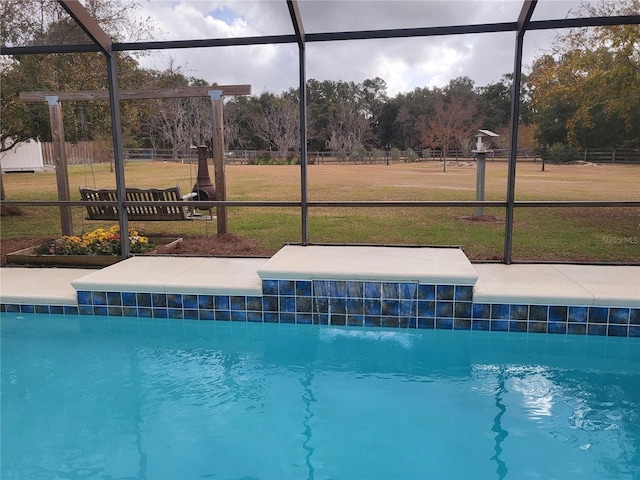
404,64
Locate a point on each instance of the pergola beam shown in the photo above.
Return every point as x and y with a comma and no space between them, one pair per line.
87,23
103,95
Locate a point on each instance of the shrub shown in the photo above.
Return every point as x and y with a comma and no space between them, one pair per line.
562,153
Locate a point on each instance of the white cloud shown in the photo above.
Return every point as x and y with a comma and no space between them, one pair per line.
403,63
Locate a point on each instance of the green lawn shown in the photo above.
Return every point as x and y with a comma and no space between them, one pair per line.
542,234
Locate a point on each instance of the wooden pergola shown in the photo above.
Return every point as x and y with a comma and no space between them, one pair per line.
215,93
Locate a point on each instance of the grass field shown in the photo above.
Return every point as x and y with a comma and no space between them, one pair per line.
540,234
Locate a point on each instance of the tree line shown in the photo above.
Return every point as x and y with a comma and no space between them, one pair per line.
585,93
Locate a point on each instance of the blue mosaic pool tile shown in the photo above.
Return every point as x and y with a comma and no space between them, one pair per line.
538,313
321,318
205,302
426,292
408,322
463,293
42,308
145,312
519,312
482,325
190,314
222,315
338,289
207,314
27,309
85,309
84,297
221,302
12,308
143,299
98,298
304,304
598,315
372,290
407,308
577,328
100,310
355,290
130,311
159,300
175,313
355,306
557,327
114,298
238,316
499,325
303,288
338,305
390,322
114,311
270,303
462,309
58,309
128,299
174,300
254,316
461,324
445,292
390,307
634,330
444,323
288,304
372,307
619,316
355,320
428,323
426,308
160,313
339,320
70,310
618,330
287,317
254,303
538,327
286,287
577,314
596,329
238,302
372,321
304,318
481,310
270,287
500,311
634,316
408,291
271,317
321,288
3,307
444,309
557,313
321,305
517,326
390,291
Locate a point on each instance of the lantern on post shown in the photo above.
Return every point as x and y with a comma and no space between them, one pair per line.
483,144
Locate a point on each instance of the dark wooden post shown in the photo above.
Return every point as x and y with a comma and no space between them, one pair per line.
62,174
218,158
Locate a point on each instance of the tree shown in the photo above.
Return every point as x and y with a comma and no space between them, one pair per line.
588,88
279,125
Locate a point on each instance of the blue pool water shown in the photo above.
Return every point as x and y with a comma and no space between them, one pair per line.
108,398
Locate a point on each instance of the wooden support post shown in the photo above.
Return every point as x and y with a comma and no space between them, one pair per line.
218,158
62,174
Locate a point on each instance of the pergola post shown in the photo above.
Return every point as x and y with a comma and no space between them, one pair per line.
218,158
62,173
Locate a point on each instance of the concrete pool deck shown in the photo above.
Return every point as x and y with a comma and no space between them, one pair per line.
550,284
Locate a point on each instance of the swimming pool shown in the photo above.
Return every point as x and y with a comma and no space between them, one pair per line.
116,397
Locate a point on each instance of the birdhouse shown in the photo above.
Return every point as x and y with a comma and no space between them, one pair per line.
484,141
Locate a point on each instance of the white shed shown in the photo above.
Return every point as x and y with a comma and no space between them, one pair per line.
25,157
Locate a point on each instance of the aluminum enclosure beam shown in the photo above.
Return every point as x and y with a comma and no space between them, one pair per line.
87,23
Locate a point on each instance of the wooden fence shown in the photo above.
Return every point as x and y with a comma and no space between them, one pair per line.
79,153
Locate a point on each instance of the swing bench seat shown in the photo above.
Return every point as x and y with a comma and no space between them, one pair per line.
137,212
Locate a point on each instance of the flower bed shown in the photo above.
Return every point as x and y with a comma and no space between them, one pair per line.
98,248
